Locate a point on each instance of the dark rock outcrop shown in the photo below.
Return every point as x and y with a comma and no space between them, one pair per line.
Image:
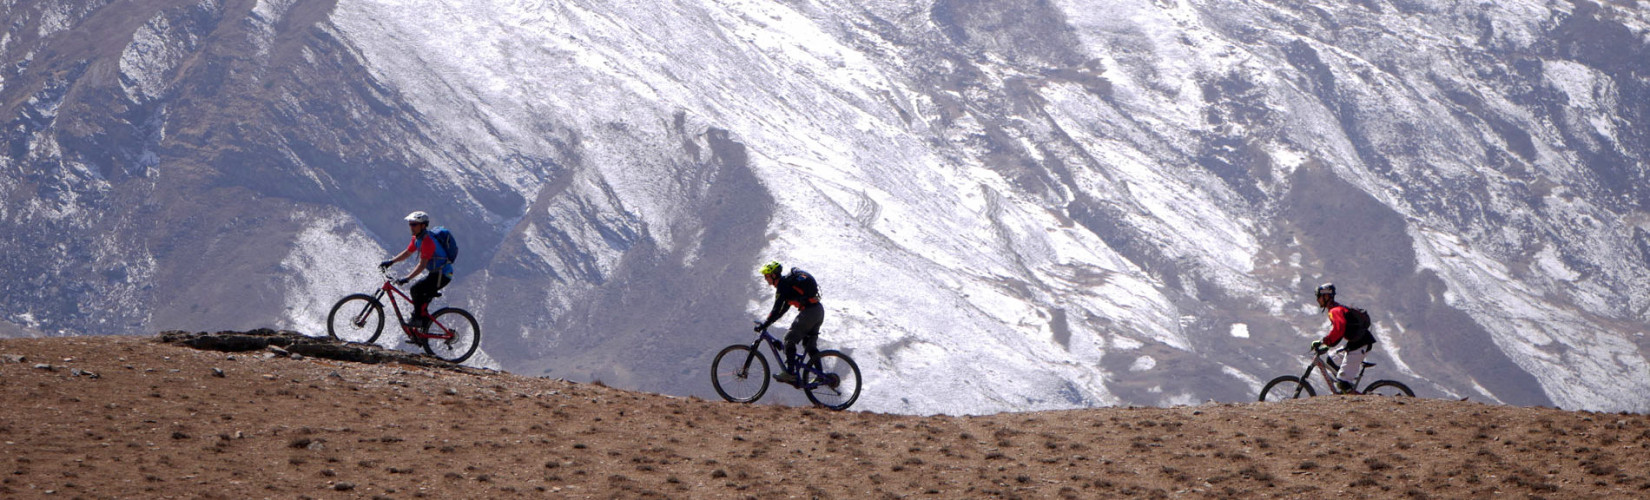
287,342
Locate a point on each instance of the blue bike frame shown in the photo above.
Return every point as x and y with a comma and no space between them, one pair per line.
788,364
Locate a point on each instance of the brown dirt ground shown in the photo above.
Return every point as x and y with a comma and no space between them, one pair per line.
134,418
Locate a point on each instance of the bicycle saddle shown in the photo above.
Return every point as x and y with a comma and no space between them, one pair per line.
1368,364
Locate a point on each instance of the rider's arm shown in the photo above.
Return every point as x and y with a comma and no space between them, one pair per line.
401,256
780,305
1337,326
425,253
411,246
419,269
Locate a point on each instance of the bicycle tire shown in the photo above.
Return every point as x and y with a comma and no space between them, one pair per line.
1389,388
845,392
466,335
1286,387
744,378
370,312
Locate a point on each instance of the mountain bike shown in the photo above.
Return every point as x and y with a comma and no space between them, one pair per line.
452,334
1291,387
740,374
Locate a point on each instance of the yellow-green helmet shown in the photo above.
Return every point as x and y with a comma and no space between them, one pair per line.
772,268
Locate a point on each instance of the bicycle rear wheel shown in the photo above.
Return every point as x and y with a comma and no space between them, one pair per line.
740,374
1286,387
1389,388
844,391
356,318
466,335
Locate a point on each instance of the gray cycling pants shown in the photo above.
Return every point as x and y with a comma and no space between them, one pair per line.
805,329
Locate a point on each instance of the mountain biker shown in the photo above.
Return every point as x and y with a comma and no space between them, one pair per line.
431,257
796,288
1359,340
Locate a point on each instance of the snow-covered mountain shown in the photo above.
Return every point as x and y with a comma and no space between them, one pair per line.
1009,205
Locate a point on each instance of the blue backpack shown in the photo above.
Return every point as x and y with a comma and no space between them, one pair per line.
448,247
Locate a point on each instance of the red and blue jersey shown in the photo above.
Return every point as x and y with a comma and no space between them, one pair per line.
429,250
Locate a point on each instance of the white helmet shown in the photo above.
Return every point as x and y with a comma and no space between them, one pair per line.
419,217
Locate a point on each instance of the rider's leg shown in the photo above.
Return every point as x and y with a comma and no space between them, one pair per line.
806,330
791,338
424,291
787,372
1351,365
810,345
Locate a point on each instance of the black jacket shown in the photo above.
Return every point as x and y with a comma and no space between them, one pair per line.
796,288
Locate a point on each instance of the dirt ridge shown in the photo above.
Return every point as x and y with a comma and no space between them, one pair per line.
125,417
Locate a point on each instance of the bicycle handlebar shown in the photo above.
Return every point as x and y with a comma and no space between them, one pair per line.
390,277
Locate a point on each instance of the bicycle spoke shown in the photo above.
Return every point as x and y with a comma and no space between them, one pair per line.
1286,387
739,374
356,318
460,335
833,364
1388,388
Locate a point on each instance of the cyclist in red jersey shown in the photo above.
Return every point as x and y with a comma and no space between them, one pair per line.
430,257
1359,340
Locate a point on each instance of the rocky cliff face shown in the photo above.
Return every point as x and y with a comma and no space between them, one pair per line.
1010,205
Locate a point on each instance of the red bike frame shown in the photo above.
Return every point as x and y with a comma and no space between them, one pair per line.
389,289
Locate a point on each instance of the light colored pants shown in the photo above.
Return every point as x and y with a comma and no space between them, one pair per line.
1351,362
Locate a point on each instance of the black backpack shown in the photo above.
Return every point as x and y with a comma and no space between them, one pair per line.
804,283
1357,326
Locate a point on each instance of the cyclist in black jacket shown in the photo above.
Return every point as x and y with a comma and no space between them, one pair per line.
796,288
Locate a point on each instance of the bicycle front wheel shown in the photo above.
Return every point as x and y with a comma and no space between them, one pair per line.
840,385
465,335
1286,387
1389,388
356,318
739,373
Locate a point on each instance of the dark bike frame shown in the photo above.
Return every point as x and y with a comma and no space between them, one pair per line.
789,364
389,289
1326,366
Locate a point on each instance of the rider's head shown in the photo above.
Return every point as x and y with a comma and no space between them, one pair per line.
1326,295
417,221
770,272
